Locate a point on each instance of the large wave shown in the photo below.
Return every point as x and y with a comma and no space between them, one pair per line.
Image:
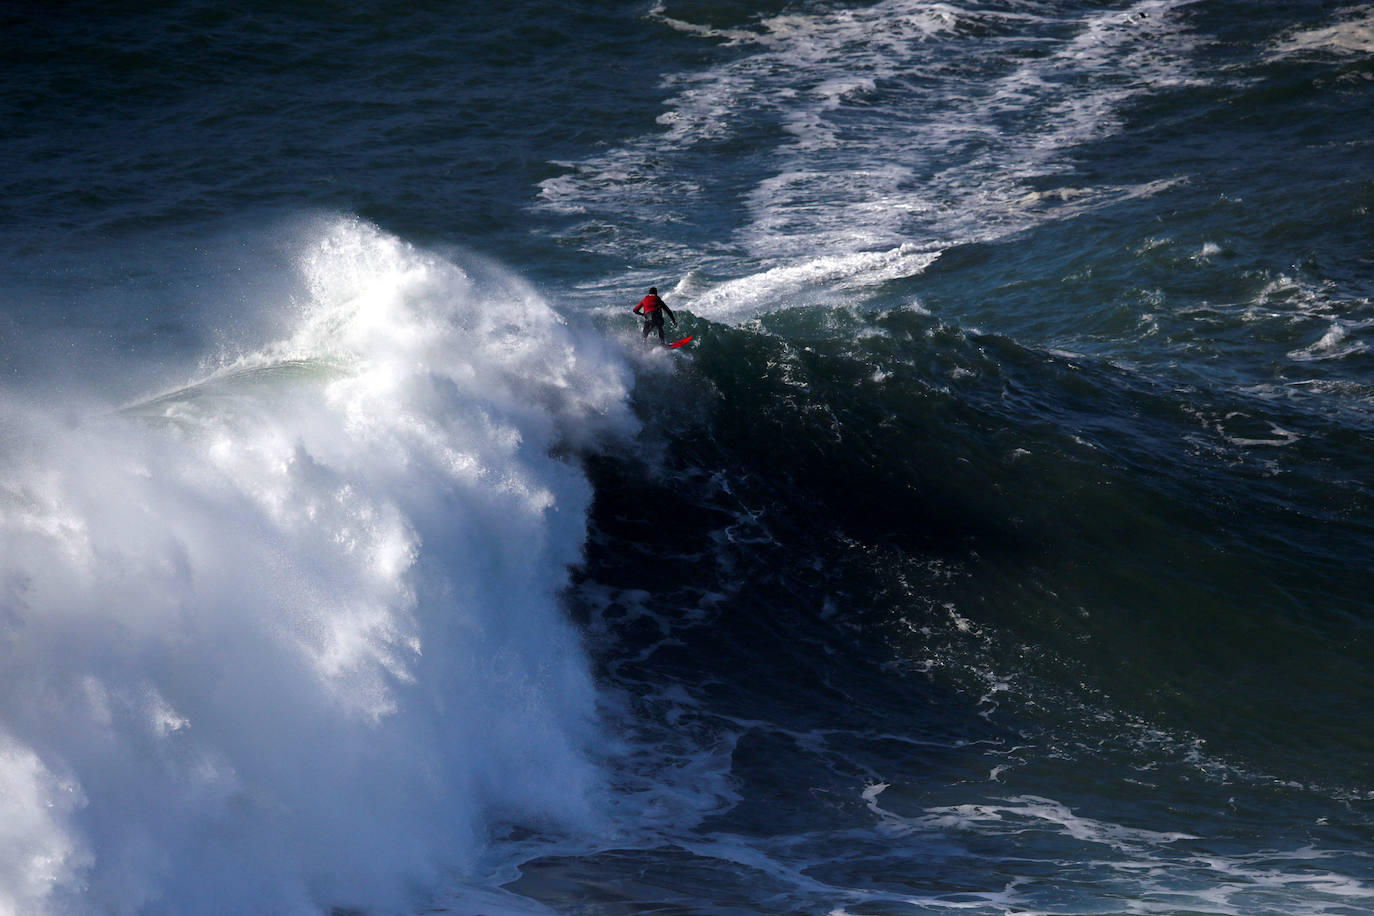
289,636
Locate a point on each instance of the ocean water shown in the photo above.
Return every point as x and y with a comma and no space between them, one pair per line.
1000,545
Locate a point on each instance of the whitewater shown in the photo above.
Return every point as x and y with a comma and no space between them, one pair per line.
298,618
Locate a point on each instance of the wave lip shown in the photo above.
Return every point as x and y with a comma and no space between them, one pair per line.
289,636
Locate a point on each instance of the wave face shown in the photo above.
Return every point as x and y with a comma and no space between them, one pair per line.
298,619
924,618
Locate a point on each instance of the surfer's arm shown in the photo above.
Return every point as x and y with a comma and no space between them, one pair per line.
670,314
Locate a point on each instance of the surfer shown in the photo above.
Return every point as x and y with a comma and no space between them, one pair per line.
653,309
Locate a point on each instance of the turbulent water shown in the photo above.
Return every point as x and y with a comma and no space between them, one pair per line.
1000,544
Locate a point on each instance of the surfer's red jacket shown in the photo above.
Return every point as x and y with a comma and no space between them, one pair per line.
650,304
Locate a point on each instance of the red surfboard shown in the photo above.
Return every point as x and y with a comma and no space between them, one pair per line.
677,343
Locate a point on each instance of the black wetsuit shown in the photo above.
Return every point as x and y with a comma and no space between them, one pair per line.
653,309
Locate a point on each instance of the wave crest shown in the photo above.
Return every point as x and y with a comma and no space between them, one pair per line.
299,620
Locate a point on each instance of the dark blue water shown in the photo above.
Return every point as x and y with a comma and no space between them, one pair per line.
1000,544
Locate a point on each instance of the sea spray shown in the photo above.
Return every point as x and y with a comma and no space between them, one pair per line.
289,636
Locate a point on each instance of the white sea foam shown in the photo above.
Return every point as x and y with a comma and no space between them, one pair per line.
1028,812
1353,35
1337,342
789,284
929,185
289,636
898,124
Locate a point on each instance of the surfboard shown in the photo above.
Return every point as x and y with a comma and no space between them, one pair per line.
677,343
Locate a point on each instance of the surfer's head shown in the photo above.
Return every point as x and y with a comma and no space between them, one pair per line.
654,290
